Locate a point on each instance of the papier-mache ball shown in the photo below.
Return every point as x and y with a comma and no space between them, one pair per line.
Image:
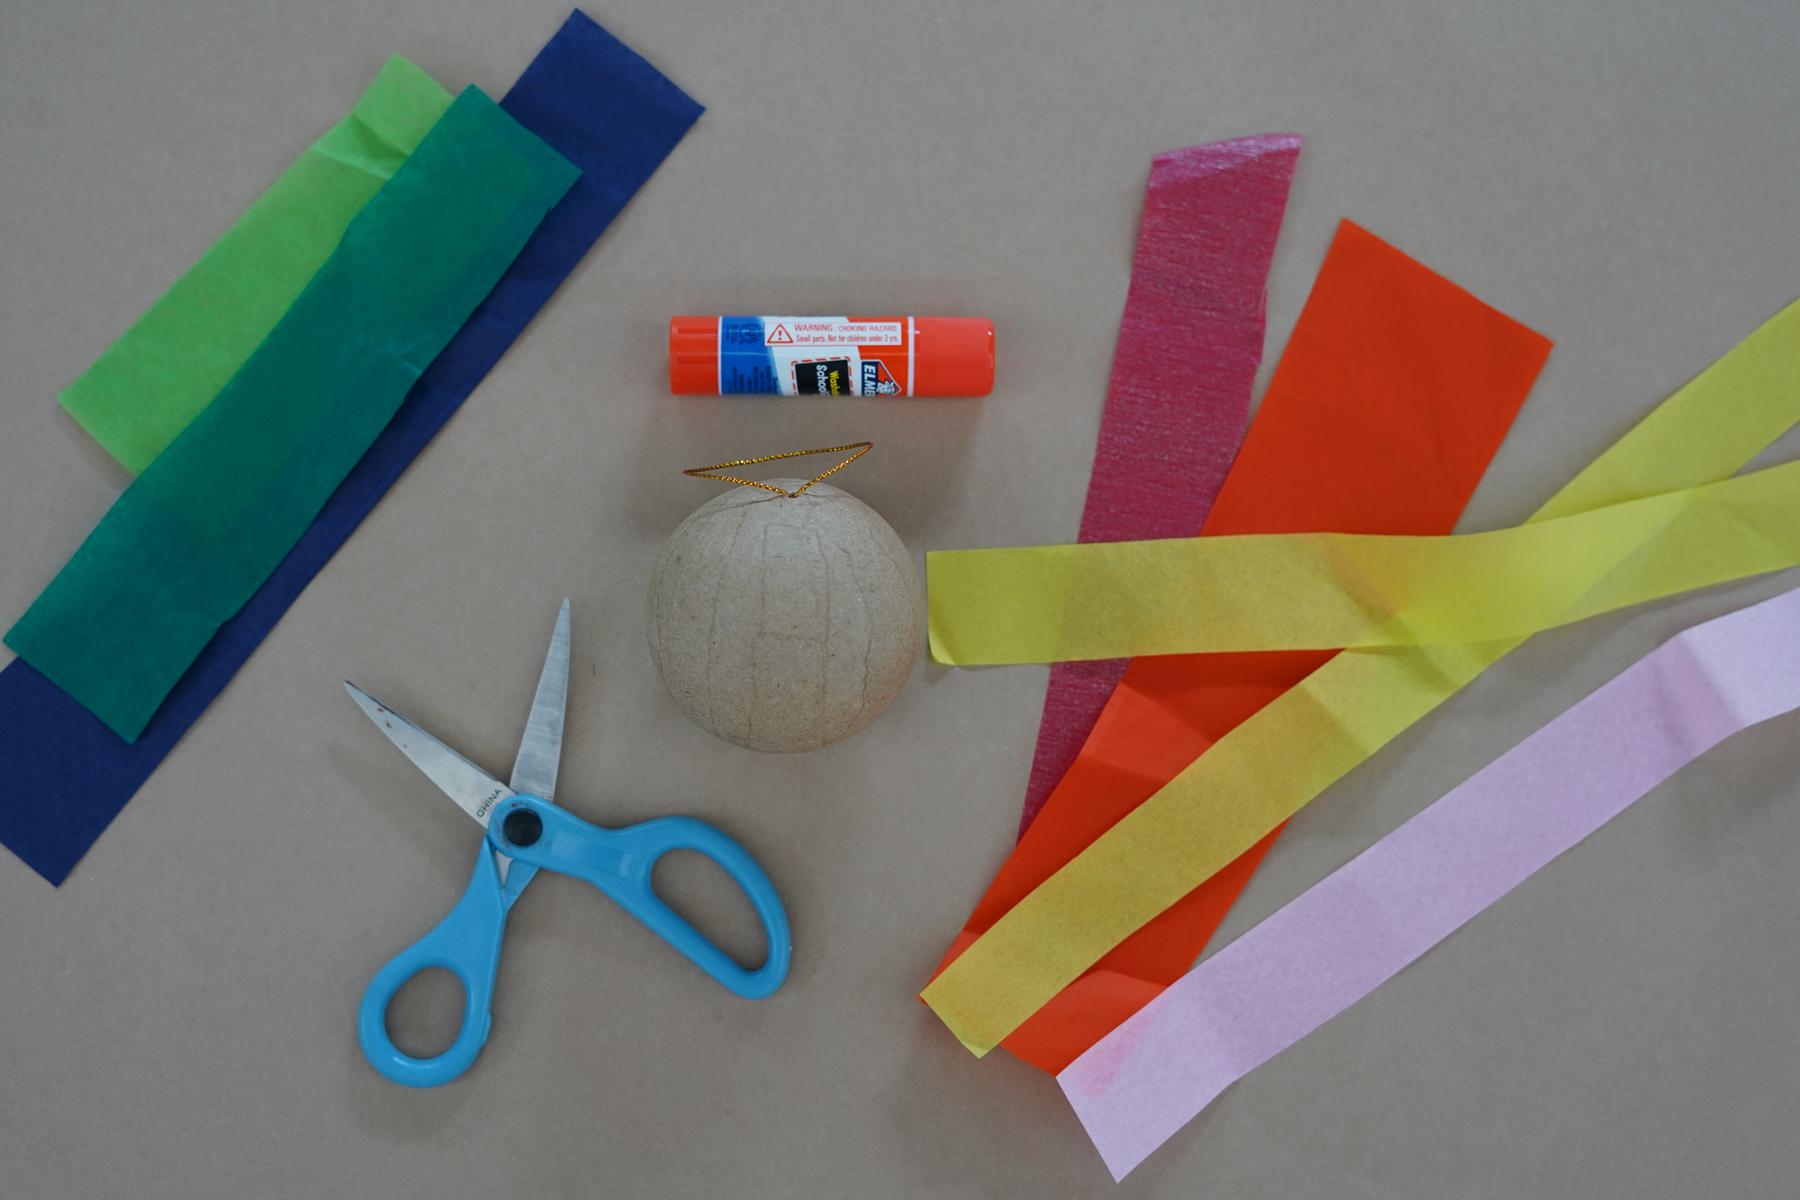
784,623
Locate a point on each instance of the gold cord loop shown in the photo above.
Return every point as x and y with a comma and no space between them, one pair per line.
861,449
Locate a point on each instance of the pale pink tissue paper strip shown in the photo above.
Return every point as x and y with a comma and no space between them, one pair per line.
1178,403
1362,924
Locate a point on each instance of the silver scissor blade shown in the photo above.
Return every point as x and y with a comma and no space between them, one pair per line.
540,750
474,790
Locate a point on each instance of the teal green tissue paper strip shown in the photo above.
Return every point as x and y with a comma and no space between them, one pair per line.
195,535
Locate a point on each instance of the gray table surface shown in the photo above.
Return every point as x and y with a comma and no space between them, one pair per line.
176,1021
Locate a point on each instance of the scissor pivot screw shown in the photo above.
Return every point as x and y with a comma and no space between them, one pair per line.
522,827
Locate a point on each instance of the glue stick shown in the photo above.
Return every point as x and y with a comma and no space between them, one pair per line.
831,356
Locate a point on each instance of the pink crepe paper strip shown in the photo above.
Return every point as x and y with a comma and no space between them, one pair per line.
1178,403
1366,921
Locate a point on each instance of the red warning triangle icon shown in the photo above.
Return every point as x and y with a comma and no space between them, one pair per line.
779,336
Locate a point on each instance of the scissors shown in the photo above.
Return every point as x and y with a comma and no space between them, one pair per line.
527,831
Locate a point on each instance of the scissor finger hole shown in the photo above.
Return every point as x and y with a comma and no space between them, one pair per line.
426,1014
697,888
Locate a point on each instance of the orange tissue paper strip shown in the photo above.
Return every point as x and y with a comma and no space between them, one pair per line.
1394,392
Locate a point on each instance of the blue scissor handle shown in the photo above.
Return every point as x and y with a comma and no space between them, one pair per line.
619,862
467,944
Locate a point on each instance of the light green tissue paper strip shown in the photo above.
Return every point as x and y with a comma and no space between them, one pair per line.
145,388
194,536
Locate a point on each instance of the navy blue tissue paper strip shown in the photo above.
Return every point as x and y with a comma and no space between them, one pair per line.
610,113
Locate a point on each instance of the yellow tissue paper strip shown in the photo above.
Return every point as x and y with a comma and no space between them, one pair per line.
1269,767
1322,591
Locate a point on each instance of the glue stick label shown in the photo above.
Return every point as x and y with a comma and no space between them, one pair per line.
815,356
